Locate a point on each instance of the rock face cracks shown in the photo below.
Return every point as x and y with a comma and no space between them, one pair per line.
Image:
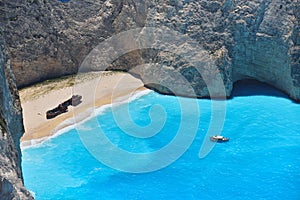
11,129
257,39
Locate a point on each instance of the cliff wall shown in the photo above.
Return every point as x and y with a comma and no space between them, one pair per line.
11,129
257,39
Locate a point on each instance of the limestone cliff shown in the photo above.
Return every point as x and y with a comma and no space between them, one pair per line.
11,129
257,39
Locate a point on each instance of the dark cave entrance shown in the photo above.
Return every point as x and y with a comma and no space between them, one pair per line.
252,87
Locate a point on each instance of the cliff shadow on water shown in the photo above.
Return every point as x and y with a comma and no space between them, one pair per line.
250,87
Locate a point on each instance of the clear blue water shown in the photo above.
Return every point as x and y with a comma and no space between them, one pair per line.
261,160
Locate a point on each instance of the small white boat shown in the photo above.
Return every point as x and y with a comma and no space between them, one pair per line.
219,138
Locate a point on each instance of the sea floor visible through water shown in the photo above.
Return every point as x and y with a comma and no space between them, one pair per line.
261,160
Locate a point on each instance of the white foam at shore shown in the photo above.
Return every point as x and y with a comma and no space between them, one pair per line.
76,121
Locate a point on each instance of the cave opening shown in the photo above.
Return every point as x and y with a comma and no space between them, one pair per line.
252,87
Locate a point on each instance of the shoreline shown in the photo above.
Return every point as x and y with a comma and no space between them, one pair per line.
110,87
69,124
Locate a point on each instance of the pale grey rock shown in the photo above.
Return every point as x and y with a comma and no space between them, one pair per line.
11,129
257,39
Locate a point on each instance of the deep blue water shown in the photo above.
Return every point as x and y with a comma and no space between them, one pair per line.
261,160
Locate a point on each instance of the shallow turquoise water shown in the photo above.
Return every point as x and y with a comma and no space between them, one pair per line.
261,160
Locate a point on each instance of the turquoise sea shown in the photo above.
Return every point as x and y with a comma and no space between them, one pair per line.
261,160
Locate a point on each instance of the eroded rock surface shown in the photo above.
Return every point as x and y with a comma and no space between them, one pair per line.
11,129
257,39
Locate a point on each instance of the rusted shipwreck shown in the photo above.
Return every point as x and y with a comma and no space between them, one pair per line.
63,107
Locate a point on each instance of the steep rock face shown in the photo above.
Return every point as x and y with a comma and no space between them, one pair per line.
257,39
11,129
267,49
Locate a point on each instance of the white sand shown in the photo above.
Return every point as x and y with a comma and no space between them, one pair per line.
99,89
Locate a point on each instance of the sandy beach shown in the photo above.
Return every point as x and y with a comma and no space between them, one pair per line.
96,88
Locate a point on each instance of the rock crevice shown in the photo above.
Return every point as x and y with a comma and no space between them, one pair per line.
256,39
11,129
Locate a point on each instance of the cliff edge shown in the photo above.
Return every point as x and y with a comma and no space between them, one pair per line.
11,129
257,39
